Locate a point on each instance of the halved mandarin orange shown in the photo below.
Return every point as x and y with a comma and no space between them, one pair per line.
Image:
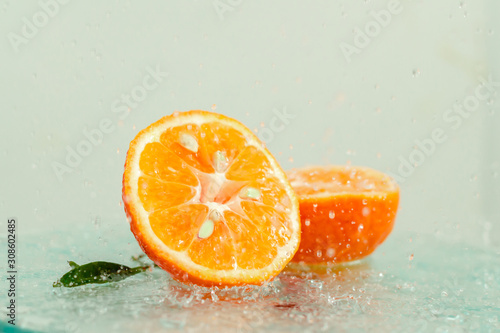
208,203
346,212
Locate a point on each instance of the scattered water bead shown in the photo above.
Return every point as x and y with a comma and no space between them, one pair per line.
365,211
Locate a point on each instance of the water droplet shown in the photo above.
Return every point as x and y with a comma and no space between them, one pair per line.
214,296
97,222
307,222
365,211
331,215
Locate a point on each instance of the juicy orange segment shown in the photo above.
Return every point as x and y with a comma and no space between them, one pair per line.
346,212
208,203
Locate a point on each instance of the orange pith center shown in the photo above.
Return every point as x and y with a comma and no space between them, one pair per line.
213,197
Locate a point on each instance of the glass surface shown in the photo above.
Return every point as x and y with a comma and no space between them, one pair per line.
409,88
413,283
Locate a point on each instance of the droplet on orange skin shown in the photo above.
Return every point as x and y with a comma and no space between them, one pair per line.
346,212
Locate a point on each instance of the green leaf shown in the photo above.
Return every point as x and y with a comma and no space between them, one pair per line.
96,272
73,264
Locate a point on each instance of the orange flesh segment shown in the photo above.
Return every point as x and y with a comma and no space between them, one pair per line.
249,236
159,162
180,188
156,194
179,235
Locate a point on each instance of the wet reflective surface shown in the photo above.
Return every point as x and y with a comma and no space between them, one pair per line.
413,283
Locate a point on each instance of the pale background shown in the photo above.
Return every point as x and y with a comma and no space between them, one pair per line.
246,62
